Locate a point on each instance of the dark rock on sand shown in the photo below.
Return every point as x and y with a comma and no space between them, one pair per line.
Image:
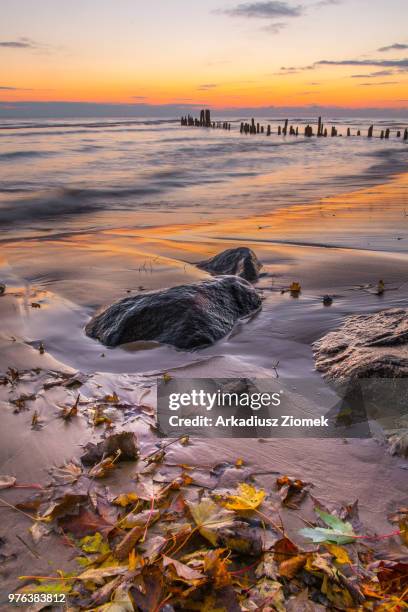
239,262
125,442
366,346
2,288
187,317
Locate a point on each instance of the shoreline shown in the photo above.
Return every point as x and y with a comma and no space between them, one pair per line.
71,277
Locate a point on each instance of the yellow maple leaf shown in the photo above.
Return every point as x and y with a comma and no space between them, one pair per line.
246,498
339,553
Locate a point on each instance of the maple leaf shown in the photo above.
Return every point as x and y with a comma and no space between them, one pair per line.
183,571
246,498
338,531
209,518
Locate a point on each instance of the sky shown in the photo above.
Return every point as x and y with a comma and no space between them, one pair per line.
216,53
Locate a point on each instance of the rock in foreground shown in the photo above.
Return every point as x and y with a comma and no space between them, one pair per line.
187,317
366,346
239,262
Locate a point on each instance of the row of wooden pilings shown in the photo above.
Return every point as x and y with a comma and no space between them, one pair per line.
285,130
205,121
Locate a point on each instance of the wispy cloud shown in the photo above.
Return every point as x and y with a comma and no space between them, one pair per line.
374,75
394,47
10,88
328,3
402,63
207,86
274,9
379,83
20,43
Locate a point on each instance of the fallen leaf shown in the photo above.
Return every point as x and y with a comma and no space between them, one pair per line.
340,554
291,567
183,571
339,532
85,523
125,546
124,441
246,498
209,518
125,499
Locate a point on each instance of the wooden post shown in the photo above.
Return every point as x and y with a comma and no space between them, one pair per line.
285,129
370,131
297,131
348,132
325,132
387,133
208,118
358,133
406,134
382,134
279,130
257,128
398,134
319,127
268,131
333,131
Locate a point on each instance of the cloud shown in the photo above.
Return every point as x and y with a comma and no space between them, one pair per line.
394,47
274,9
380,83
10,88
21,43
275,28
402,63
139,97
207,86
327,3
373,75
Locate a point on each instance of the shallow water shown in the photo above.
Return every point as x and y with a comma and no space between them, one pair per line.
93,211
75,174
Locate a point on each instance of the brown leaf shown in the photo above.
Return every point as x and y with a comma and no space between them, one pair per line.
68,504
291,567
183,571
85,523
125,546
284,549
124,441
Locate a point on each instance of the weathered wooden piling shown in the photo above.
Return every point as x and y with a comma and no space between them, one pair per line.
285,128
398,134
333,131
358,133
348,132
370,131
268,131
406,134
382,135
387,133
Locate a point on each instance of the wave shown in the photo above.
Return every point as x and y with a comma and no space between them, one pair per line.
12,155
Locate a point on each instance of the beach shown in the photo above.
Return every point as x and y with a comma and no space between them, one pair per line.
99,212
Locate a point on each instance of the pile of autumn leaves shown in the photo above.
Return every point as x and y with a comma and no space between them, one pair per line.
168,547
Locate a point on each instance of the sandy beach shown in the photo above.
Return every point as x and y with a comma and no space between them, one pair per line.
361,238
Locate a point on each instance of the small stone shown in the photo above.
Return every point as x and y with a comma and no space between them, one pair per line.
2,288
327,300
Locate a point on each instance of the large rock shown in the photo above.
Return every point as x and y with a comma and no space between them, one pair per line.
188,316
240,262
366,346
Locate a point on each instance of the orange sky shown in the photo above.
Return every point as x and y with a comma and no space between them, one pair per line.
218,53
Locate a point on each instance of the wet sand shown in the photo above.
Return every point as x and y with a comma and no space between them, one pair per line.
360,238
